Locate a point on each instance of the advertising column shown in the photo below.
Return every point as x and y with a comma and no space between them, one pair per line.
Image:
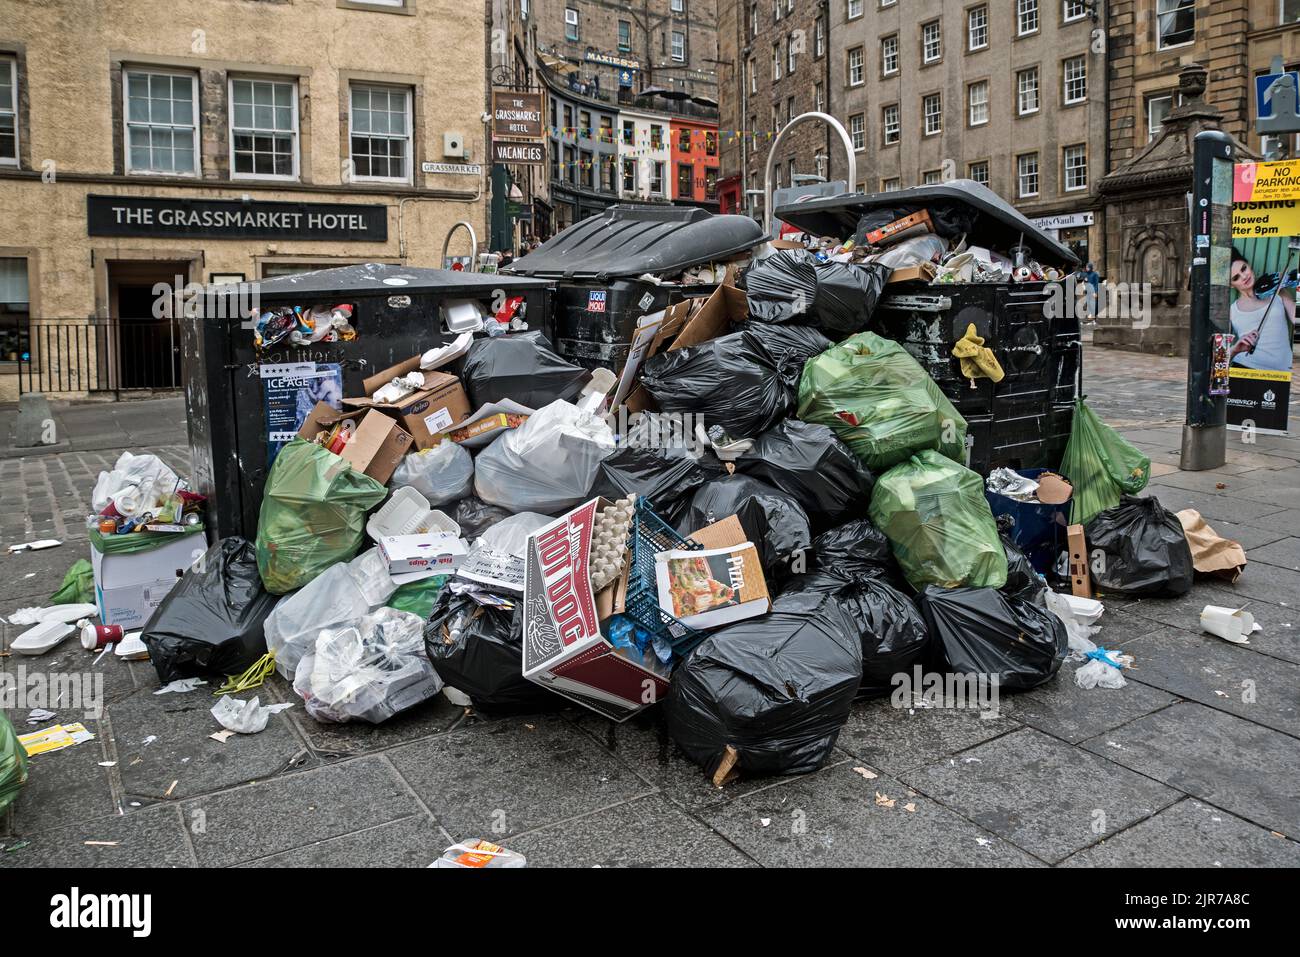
1263,278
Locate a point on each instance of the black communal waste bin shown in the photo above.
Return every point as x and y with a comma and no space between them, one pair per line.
597,265
1024,420
396,311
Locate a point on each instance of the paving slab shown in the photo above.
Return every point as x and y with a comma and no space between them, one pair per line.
1285,553
647,832
181,750
512,775
1226,508
65,786
1215,482
832,819
899,739
1269,583
46,568
1286,522
413,841
357,737
152,838
1181,612
643,745
1218,674
1190,834
1230,762
1044,796
269,817
1064,710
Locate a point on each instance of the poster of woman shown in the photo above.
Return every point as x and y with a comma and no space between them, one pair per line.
1263,280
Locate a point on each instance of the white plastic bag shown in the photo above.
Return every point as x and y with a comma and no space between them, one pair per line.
547,464
369,669
1096,673
369,573
442,474
332,597
137,484
1079,616
245,717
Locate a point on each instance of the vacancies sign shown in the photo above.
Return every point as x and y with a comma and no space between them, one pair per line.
178,218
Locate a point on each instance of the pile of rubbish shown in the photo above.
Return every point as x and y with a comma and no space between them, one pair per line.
763,514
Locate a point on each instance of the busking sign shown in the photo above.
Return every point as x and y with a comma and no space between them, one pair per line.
167,217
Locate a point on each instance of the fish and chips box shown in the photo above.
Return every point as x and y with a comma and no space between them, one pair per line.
564,649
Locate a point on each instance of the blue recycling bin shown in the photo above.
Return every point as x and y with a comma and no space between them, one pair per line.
1037,529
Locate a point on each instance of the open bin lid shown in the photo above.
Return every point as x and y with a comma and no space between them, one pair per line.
628,241
384,279
999,226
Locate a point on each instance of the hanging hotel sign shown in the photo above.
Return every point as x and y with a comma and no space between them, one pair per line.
169,217
516,116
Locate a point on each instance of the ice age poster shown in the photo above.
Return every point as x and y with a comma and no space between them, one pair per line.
291,391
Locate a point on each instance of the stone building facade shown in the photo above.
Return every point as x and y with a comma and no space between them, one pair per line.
214,142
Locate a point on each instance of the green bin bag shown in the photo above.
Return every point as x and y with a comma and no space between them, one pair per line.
880,403
313,515
13,763
78,585
1100,465
939,525
418,597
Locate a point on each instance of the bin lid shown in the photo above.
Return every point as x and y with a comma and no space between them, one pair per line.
1000,223
631,240
385,279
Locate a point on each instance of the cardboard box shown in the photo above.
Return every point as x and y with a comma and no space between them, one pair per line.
711,587
128,587
923,272
376,447
425,414
440,551
913,224
564,649
1080,579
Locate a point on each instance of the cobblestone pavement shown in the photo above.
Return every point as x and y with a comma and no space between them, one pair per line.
1193,763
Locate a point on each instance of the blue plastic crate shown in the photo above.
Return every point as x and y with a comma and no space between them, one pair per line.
648,535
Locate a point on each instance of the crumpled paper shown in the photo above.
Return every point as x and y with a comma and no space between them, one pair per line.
1212,554
245,717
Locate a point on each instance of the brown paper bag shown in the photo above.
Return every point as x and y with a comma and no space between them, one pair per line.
1211,553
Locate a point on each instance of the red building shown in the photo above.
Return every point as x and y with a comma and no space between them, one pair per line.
694,159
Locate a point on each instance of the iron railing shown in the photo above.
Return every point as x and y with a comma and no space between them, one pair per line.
90,355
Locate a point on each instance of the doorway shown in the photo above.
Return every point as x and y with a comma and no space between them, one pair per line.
147,345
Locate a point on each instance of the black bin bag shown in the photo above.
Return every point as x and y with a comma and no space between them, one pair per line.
792,286
810,463
1022,580
773,520
855,548
980,631
731,381
888,624
777,688
1144,549
522,367
211,621
665,473
475,516
790,345
478,649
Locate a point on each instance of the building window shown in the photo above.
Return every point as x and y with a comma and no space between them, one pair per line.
584,125
607,173
1026,16
523,9
753,19
15,341
571,31
679,6
380,133
710,182
932,110
1075,165
888,3
679,46
656,137
776,61
607,130
9,116
710,143
932,177
890,124
855,67
789,109
790,54
263,129
570,165
556,174
855,9
977,101
819,38
1074,10
931,43
1175,23
1158,108
1027,175
753,77
684,140
1290,11
890,185
656,178
819,97
858,131
889,55
977,28
685,189
1027,91
629,133
979,172
624,36
161,123
1074,79
629,176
